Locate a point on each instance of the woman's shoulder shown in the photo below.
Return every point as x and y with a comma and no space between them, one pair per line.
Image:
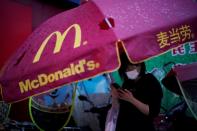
148,76
152,83
150,79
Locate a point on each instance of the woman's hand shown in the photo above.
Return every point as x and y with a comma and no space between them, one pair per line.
128,96
125,95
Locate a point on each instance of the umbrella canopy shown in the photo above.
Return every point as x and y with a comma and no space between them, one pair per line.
151,26
187,72
187,80
182,80
81,43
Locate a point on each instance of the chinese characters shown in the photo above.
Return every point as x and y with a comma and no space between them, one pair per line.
174,36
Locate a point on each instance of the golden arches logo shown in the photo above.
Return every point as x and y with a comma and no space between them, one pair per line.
59,40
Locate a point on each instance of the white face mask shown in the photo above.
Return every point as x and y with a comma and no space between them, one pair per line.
132,74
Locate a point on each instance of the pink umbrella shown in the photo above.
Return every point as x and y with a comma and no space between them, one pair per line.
82,43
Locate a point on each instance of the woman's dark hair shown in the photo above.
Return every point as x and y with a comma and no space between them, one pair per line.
125,63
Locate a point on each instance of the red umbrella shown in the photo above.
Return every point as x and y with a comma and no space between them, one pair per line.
81,43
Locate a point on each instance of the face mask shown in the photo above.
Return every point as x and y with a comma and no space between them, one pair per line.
132,74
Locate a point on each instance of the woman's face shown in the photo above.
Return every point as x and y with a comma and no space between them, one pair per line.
133,67
133,71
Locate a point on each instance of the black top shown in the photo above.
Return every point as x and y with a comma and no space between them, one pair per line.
148,90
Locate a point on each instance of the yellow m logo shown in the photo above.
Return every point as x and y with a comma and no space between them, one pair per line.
59,40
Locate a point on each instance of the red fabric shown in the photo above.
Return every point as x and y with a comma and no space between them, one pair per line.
15,25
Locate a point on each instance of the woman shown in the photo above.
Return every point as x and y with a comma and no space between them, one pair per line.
139,98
